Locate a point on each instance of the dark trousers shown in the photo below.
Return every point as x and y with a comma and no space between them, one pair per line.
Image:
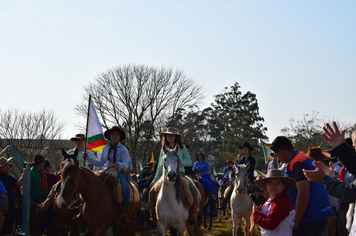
35,218
310,229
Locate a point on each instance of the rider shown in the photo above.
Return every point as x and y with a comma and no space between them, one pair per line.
171,138
201,169
79,140
228,176
118,159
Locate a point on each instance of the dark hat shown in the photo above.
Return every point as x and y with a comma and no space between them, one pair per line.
46,164
276,174
229,161
38,159
246,144
281,142
78,136
107,133
171,130
3,161
316,154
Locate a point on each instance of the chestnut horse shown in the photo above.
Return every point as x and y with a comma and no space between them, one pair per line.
100,210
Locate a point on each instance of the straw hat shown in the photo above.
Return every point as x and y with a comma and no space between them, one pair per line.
171,130
276,174
3,161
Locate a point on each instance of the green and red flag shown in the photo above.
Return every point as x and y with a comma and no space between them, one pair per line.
96,140
266,149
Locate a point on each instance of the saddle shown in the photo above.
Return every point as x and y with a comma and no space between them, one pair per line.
112,180
185,184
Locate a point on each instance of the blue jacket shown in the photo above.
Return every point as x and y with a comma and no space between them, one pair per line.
318,207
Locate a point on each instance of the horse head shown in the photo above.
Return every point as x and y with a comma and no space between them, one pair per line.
171,162
69,180
68,157
241,175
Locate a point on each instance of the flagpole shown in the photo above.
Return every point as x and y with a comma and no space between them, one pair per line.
86,130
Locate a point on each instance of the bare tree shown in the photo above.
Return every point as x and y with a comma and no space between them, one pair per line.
307,131
142,100
32,133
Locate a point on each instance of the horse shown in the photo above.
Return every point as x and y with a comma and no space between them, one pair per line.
100,210
206,200
172,204
241,203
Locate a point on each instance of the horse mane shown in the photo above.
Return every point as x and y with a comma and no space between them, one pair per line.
180,191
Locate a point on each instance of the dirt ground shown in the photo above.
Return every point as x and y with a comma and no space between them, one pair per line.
219,228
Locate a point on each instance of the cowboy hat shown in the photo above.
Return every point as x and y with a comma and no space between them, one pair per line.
38,160
78,136
246,144
316,154
229,161
276,174
3,161
107,133
171,130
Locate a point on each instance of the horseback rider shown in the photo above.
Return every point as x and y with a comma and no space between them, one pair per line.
117,158
171,138
201,169
228,176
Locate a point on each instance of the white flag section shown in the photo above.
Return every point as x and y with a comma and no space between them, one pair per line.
96,140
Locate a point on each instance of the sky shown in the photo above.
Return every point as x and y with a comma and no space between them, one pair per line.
296,56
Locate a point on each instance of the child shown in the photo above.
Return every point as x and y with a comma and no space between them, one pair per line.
277,214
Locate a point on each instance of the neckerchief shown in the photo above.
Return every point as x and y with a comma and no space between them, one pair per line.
113,147
341,173
43,180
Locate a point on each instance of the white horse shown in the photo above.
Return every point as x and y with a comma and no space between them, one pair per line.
171,207
241,203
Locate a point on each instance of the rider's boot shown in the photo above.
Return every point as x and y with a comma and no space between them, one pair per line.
152,219
125,209
193,212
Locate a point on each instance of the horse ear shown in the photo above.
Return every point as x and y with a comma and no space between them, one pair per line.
248,166
177,148
164,149
65,154
75,154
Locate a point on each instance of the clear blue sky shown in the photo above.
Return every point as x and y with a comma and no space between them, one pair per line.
296,56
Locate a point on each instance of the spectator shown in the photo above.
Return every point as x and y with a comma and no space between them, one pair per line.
4,204
277,214
10,184
345,192
309,199
39,190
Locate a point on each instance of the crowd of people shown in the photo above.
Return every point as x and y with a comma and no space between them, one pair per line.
303,194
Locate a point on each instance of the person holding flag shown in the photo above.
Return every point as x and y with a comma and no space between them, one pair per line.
116,156
79,140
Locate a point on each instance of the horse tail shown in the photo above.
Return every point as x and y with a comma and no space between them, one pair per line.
180,195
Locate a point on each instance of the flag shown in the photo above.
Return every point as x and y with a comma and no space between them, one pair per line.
152,158
266,149
96,140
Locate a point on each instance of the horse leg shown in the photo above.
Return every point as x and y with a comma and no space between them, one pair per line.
234,217
204,217
253,229
247,225
173,231
161,228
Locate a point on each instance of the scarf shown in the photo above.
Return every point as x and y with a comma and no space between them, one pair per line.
43,180
113,147
341,173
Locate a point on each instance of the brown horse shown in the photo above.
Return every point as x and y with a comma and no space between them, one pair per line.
100,210
64,219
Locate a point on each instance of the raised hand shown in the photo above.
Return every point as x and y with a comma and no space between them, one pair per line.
319,173
333,135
